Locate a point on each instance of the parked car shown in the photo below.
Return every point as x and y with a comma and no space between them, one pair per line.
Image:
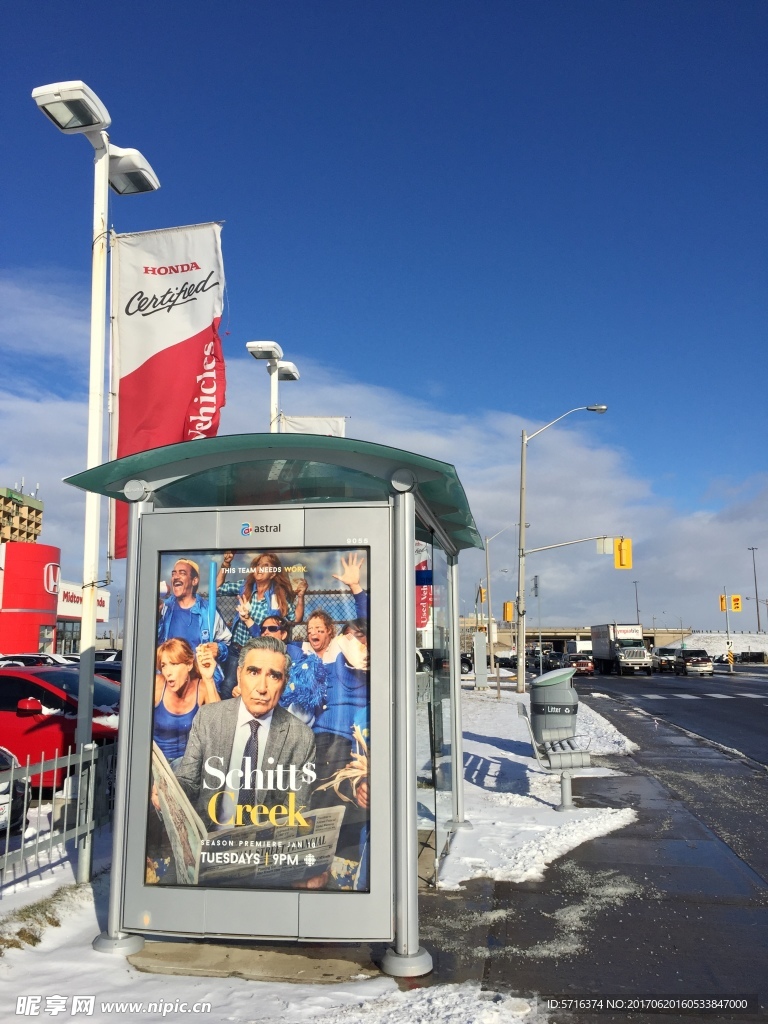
13,805
692,662
110,670
108,654
663,659
38,714
582,663
32,659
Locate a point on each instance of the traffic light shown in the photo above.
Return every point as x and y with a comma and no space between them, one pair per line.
622,553
735,602
506,611
482,595
723,605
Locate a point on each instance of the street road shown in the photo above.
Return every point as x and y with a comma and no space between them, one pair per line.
728,709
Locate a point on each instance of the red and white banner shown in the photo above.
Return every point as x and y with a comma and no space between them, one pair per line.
167,363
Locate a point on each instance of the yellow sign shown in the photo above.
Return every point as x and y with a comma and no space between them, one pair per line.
730,657
723,606
735,602
622,553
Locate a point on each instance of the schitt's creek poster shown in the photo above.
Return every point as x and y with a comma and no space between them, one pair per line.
260,723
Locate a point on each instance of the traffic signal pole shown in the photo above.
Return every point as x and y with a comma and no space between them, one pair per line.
728,634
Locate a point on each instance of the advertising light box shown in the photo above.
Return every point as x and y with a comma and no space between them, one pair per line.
260,782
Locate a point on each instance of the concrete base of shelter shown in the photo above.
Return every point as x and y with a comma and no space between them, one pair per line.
310,964
122,944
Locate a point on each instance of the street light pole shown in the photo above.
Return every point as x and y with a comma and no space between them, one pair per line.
757,600
637,606
490,606
525,438
278,369
76,110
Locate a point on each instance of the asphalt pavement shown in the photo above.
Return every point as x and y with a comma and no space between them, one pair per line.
673,906
727,709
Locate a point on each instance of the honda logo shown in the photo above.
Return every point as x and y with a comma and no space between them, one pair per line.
52,577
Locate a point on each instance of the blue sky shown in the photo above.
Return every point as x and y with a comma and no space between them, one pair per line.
469,217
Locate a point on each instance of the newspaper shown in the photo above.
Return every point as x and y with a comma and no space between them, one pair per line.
270,856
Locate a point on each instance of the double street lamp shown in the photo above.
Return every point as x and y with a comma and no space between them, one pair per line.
521,550
77,110
279,369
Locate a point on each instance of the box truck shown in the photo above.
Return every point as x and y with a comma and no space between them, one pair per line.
620,648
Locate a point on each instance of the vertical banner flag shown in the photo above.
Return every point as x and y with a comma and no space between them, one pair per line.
423,585
167,363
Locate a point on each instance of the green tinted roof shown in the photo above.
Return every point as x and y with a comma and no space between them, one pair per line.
282,469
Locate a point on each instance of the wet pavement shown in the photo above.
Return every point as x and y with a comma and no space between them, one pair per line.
673,905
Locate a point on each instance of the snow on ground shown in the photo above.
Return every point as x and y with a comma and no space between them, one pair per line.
47,923
510,801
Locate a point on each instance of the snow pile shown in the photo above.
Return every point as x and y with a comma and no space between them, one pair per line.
58,963
716,642
510,801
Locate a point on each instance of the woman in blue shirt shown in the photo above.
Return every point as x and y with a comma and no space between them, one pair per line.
184,682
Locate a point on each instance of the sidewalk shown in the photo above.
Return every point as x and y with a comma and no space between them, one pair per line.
505,917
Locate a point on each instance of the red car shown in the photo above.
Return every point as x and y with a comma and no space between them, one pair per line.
38,714
583,664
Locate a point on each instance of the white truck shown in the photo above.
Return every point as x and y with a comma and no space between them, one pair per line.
620,648
577,646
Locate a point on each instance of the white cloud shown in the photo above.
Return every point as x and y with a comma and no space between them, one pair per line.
44,318
577,486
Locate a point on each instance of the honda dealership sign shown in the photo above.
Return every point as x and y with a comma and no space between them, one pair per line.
168,366
70,602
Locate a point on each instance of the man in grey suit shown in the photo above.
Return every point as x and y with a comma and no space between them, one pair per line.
247,756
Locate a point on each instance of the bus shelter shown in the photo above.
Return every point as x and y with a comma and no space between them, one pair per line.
270,797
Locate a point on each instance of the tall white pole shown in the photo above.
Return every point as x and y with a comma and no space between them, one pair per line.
521,572
273,396
95,437
490,627
84,731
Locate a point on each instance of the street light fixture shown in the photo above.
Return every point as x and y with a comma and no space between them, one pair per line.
521,550
279,369
77,110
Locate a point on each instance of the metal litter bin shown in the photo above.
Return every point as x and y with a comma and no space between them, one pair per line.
554,703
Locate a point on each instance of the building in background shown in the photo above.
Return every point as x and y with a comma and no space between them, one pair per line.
21,516
69,615
30,577
39,612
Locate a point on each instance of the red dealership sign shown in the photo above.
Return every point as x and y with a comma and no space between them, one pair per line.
168,363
